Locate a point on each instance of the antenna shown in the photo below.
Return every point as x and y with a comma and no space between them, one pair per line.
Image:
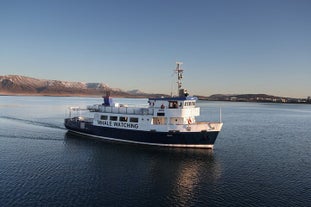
220,116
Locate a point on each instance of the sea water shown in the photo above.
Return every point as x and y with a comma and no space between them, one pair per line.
260,158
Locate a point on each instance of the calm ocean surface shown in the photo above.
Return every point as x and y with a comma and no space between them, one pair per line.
262,157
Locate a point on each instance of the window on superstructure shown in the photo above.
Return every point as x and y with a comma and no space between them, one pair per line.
104,117
173,104
134,119
189,103
123,118
113,118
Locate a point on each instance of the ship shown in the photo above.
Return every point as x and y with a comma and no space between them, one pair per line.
164,121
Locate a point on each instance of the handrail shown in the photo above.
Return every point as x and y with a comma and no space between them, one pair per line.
121,110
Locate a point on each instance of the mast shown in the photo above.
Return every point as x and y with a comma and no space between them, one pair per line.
179,76
179,70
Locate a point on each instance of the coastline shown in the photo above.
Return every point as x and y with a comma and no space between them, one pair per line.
83,95
259,99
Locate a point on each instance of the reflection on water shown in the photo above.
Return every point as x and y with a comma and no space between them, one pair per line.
174,174
261,158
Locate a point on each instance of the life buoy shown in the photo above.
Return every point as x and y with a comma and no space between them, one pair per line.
189,121
210,126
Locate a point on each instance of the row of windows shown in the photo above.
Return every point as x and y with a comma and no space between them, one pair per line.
189,103
121,118
174,104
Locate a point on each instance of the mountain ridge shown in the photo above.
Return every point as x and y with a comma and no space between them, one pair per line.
24,85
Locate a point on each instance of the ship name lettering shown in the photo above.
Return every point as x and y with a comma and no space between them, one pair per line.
118,124
106,123
125,125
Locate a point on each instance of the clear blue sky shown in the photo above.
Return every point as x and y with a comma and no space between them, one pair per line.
227,46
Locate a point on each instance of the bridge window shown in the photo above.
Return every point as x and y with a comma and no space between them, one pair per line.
104,117
173,105
189,103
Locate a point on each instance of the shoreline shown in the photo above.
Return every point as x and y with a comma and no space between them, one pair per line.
289,101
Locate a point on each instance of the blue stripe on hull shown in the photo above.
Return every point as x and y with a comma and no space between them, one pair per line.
183,139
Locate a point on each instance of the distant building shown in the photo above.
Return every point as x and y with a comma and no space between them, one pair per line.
233,98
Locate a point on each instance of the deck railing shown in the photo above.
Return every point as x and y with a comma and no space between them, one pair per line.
121,110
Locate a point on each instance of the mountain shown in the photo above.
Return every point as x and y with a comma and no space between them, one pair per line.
22,85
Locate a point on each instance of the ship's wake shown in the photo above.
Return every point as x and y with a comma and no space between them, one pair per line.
31,133
30,137
32,122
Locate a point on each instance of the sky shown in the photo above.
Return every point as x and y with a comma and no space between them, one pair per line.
227,46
